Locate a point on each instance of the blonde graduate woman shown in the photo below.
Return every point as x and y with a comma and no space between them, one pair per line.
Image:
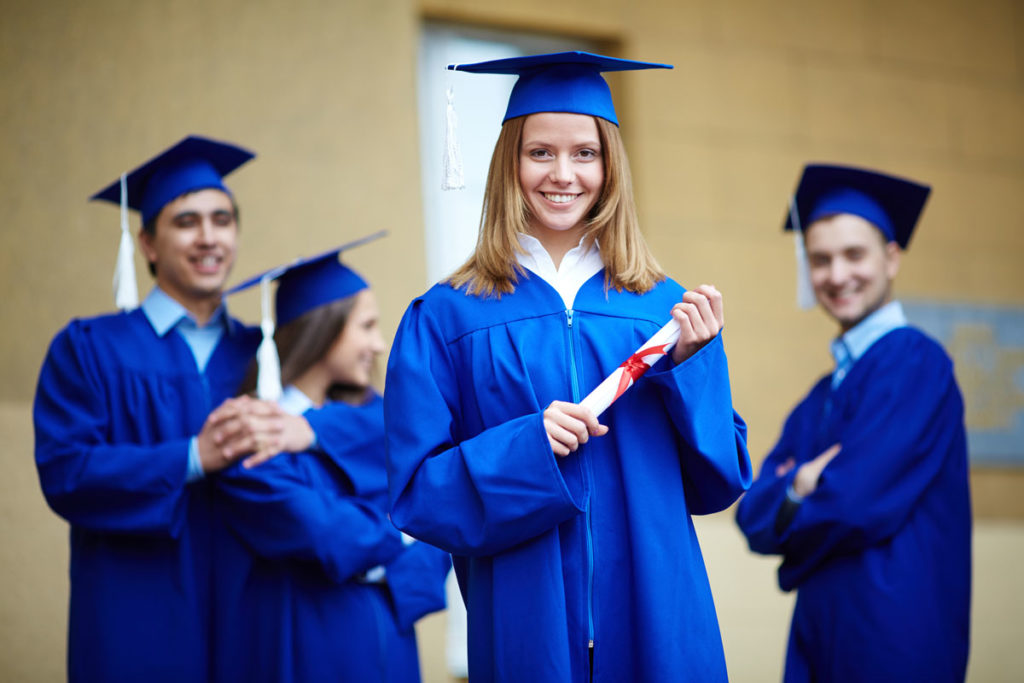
572,537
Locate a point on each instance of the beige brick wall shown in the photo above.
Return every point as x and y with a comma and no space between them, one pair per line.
325,93
929,90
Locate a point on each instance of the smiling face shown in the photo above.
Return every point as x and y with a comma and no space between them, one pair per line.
193,246
351,357
852,267
561,172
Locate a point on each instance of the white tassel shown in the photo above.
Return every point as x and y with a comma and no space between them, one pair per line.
268,379
453,176
126,290
804,291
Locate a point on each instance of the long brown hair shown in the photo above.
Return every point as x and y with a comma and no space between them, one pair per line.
304,341
492,269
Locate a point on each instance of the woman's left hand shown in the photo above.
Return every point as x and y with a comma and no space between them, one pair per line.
700,317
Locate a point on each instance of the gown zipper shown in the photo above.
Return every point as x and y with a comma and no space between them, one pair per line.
576,397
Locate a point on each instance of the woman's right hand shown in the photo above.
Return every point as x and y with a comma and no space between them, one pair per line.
568,425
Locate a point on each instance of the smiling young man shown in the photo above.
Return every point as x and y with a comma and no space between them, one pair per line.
191,246
133,411
865,496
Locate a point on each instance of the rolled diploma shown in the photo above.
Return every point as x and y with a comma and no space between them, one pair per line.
630,371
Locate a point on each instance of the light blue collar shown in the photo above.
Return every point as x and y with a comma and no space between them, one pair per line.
164,313
293,401
848,349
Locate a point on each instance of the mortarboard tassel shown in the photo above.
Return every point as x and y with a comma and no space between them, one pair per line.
453,176
126,290
268,379
804,292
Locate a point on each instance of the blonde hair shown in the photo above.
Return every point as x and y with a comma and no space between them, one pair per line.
493,269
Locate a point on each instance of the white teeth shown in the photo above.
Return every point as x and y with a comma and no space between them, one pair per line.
208,261
559,198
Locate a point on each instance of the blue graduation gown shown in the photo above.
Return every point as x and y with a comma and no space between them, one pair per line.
114,411
304,528
880,553
550,552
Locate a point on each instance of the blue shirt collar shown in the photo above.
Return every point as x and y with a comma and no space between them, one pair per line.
164,313
293,401
847,349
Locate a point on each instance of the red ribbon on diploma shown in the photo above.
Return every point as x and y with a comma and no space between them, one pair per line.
615,384
634,366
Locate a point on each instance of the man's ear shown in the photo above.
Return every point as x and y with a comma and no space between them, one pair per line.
146,244
893,254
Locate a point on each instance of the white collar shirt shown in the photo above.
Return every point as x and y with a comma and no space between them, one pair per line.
578,265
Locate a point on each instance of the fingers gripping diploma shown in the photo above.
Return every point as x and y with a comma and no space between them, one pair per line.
701,317
568,425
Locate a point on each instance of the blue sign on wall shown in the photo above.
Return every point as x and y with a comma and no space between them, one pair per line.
987,346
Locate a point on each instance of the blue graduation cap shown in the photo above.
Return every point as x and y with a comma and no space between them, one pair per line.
569,82
303,285
560,82
195,163
891,204
311,282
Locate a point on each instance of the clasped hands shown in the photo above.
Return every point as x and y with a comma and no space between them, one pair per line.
252,429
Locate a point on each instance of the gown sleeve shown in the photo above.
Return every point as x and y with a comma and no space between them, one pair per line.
416,579
470,496
352,438
759,509
293,508
88,480
894,447
715,462
342,429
